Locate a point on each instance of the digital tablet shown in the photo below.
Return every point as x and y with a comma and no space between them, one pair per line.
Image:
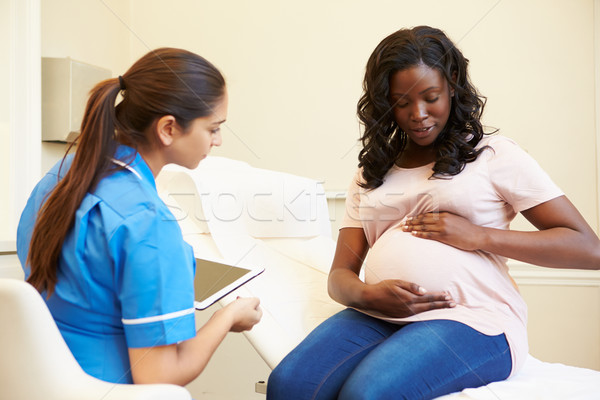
214,280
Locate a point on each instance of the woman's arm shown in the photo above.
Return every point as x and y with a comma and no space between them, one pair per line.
393,297
182,362
564,239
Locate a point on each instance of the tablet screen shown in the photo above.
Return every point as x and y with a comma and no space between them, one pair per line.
214,280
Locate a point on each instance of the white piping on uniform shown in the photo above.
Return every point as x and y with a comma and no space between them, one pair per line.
156,318
126,166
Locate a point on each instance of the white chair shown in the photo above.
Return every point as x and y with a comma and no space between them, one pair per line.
35,362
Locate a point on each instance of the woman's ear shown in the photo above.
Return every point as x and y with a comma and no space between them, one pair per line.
166,129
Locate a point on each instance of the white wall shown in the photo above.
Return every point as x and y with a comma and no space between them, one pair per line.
295,71
4,120
20,118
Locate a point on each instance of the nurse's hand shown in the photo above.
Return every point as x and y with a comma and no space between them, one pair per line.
397,298
447,228
245,313
180,363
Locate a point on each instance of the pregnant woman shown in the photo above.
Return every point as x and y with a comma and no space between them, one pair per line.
431,204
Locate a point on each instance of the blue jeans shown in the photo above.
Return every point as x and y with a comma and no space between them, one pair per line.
354,356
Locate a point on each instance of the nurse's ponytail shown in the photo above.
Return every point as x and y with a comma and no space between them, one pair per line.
94,146
165,81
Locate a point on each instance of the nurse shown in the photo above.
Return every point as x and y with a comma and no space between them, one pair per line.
103,249
431,204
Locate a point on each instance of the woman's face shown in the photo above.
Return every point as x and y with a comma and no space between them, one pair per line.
202,134
421,99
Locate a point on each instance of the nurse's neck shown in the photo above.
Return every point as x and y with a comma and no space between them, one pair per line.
155,160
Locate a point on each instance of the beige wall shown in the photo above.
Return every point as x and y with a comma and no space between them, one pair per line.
295,70
86,30
569,333
95,32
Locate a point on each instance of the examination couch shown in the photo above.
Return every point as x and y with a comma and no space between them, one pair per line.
243,215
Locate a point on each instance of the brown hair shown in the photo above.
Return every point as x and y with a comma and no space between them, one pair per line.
383,141
165,81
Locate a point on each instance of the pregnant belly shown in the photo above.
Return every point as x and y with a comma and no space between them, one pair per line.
428,263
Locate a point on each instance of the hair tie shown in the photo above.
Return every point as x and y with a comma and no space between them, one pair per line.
121,82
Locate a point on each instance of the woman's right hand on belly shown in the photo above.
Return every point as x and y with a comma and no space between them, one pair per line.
397,298
391,297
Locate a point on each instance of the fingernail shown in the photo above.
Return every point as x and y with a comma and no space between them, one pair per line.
452,304
422,290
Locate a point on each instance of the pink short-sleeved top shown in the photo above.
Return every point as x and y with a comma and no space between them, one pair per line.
490,191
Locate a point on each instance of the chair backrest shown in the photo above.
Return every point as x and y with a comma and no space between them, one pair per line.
32,346
36,363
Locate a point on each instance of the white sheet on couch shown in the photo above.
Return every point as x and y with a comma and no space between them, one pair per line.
539,380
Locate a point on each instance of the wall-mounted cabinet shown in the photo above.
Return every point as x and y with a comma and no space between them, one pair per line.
66,84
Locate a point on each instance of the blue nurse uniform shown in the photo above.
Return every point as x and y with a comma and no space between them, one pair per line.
125,274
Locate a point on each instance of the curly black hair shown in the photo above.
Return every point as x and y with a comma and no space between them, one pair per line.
383,141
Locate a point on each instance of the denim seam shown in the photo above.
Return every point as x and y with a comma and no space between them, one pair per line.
472,370
316,392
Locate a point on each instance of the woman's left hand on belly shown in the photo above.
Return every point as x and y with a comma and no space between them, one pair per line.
447,228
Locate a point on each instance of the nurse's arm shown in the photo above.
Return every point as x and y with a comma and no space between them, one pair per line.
182,362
